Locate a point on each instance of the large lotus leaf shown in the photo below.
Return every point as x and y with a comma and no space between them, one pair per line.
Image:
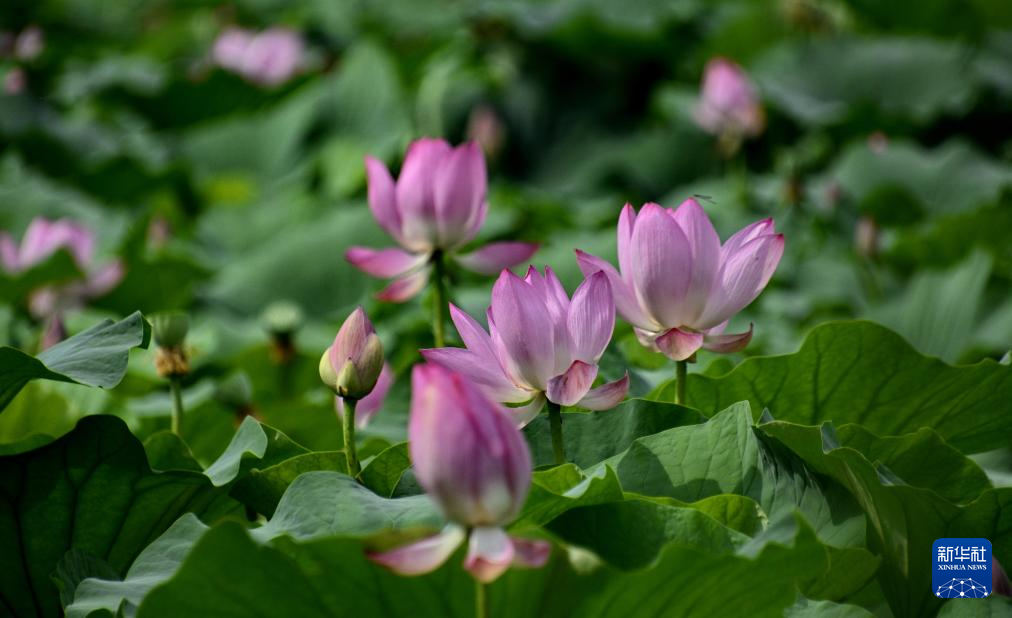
726,455
90,490
95,357
592,437
904,520
860,372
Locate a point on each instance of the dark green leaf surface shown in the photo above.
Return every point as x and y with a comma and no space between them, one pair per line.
859,372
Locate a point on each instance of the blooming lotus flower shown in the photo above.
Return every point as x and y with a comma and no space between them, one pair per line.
268,58
437,204
472,460
351,366
372,403
41,240
678,286
729,105
542,345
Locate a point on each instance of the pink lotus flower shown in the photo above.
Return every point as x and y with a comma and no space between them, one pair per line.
472,460
372,403
542,345
678,286
437,204
268,58
728,104
42,239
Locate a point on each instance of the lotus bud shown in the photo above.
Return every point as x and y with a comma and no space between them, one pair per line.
351,366
472,460
169,331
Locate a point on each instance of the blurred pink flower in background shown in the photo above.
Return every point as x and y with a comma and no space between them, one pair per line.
729,105
29,43
268,58
678,285
438,203
41,240
474,463
542,345
15,81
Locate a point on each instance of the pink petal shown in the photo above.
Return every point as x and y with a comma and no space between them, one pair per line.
591,318
485,372
459,191
384,263
705,246
520,330
571,386
743,276
626,224
415,192
726,344
493,257
230,46
530,553
551,292
662,265
272,57
745,235
625,297
405,288
606,396
8,253
526,413
489,553
422,556
43,238
382,197
372,403
678,344
473,335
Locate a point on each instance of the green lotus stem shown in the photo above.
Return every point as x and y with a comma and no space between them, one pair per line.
350,454
480,599
439,299
681,370
176,389
555,423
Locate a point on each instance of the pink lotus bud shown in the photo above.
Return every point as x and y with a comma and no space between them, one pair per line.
678,285
542,344
472,460
352,364
436,204
728,103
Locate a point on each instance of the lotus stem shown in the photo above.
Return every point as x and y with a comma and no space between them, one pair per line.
439,299
350,454
555,423
480,599
681,370
176,389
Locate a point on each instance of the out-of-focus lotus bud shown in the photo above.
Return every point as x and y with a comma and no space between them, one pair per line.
866,237
678,284
29,44
351,366
473,461
878,142
485,127
729,105
170,329
15,81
